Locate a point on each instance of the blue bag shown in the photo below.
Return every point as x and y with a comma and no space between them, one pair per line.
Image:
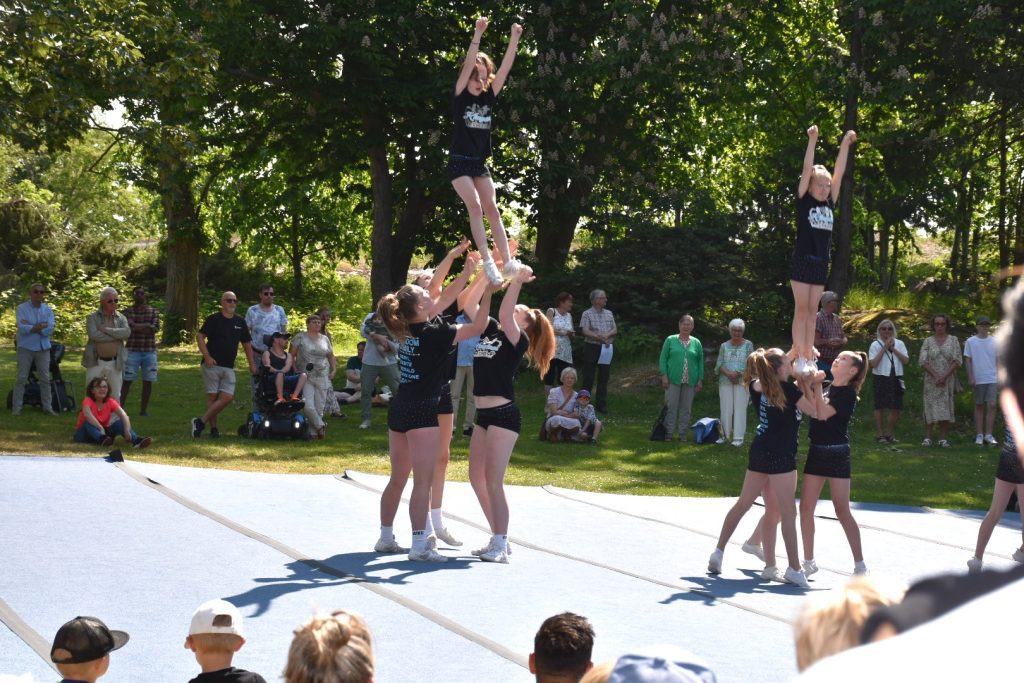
706,430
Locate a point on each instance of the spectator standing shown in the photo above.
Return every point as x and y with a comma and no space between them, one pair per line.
380,360
265,318
144,321
81,649
562,649
598,326
331,406
561,321
732,395
312,348
104,353
682,374
35,327
887,356
940,358
218,341
829,338
464,377
980,359
215,635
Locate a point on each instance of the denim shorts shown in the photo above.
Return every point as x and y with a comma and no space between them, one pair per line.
144,360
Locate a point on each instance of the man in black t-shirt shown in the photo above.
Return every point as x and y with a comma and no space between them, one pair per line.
218,341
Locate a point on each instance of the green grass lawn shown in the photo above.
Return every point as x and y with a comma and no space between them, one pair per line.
626,461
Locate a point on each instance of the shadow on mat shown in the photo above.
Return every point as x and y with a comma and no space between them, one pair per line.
391,569
709,589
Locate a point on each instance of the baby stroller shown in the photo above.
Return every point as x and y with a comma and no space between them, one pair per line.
270,419
62,398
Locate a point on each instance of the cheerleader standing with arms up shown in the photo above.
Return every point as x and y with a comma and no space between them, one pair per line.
476,93
519,330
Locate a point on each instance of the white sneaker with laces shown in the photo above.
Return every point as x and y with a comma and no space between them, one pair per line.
796,577
365,424
798,366
974,566
432,542
990,440
721,440
772,574
754,549
495,555
715,562
426,555
446,536
810,567
979,440
510,268
391,546
480,551
491,271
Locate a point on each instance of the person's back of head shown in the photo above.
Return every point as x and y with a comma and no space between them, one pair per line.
336,648
562,648
215,634
81,649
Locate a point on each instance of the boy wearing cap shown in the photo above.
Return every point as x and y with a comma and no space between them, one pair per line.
980,359
590,426
81,649
215,636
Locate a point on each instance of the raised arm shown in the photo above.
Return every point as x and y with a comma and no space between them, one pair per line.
840,169
469,299
805,175
506,62
452,291
479,324
444,267
507,312
469,66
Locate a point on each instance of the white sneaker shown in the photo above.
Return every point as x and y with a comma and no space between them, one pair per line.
510,268
990,440
427,555
715,562
491,271
798,366
495,555
979,440
860,569
1018,555
387,546
480,551
365,424
974,566
772,574
810,567
721,440
446,536
432,542
754,549
796,577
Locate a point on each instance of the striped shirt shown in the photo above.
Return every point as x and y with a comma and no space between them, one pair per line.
828,326
145,340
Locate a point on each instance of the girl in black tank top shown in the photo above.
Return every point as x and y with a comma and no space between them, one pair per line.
280,363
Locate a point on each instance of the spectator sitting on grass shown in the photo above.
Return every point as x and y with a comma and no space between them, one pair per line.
590,426
353,391
81,649
215,635
336,648
101,419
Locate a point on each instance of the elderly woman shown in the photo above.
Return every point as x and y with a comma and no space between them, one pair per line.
887,356
561,320
598,326
940,359
314,354
732,395
562,419
331,407
682,374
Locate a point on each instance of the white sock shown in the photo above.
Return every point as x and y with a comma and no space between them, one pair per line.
419,540
500,541
435,518
387,533
860,566
429,528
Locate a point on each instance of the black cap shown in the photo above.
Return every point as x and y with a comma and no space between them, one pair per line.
281,335
84,639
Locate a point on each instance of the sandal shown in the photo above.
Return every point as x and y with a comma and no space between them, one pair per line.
944,444
926,442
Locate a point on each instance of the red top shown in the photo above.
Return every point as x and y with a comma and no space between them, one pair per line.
101,414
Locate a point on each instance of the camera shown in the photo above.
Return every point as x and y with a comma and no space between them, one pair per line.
309,367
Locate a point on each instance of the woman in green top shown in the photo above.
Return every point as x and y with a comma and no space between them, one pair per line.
682,370
732,395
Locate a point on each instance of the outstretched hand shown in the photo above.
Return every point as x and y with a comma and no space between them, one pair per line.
517,30
812,132
525,273
457,250
850,137
481,24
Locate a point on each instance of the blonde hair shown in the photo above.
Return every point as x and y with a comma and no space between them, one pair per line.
599,673
818,169
878,330
541,334
764,365
216,642
832,622
484,58
331,649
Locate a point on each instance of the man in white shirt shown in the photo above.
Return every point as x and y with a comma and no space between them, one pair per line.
980,359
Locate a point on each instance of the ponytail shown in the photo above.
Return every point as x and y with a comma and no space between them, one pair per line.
396,309
542,340
860,361
764,365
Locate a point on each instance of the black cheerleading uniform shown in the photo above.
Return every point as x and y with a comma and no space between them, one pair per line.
813,250
471,134
829,452
1009,469
444,402
495,361
773,450
421,365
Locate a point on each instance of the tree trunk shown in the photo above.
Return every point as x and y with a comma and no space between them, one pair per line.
839,280
297,252
883,255
381,257
1003,235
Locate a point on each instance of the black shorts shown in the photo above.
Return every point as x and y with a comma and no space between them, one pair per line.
459,166
808,268
505,416
888,392
1009,469
829,461
404,416
444,401
770,463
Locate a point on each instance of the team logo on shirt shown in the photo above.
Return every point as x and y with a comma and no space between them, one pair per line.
486,348
477,116
820,218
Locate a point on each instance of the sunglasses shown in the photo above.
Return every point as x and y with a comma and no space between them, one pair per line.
268,294
229,301
112,301
885,329
39,291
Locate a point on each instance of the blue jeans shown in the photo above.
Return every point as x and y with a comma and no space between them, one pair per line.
88,433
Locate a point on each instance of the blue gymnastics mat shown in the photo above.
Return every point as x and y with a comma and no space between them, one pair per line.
141,545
